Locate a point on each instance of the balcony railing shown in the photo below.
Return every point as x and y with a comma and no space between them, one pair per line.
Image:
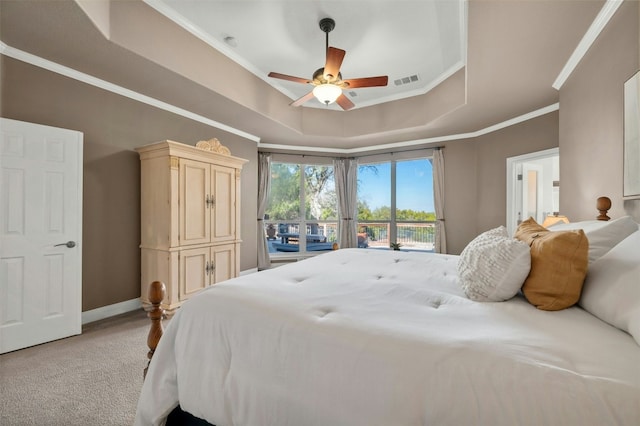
412,236
284,237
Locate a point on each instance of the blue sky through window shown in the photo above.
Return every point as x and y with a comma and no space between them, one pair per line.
374,185
414,185
414,180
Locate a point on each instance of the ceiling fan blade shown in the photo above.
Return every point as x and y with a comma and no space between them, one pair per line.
289,78
354,83
302,100
333,63
345,102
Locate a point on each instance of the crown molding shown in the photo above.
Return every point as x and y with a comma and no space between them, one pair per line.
114,88
416,142
601,21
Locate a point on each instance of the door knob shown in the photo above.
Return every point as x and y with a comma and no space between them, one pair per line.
70,244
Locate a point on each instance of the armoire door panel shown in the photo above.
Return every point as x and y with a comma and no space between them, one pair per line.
195,187
224,214
194,274
224,262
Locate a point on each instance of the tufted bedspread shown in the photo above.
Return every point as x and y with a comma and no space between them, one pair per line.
366,337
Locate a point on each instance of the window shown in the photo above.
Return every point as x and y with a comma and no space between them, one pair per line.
301,214
396,205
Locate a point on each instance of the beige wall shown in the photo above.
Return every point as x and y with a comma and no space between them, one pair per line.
591,119
493,150
476,173
113,126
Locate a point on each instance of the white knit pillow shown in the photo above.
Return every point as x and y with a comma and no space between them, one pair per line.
493,267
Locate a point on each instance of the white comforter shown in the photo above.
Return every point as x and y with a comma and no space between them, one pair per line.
365,337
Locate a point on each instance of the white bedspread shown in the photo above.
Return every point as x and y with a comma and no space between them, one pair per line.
365,337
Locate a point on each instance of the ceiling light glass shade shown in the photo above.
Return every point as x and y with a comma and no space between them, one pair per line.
327,93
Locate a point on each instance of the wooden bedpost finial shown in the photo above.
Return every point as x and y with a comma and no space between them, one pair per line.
157,291
603,204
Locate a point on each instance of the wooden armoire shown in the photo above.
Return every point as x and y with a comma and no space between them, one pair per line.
190,217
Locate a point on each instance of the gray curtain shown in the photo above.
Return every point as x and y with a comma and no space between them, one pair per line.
264,184
346,173
440,245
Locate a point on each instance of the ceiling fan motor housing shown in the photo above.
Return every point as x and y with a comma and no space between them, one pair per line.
318,77
327,25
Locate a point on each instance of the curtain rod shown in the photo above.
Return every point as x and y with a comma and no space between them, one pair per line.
301,155
435,148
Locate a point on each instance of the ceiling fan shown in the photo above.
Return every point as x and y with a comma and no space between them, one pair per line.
328,81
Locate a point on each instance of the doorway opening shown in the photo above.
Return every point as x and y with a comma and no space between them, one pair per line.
533,187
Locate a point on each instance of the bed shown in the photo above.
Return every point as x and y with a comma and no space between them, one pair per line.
370,337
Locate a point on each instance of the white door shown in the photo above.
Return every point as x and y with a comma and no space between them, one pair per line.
41,234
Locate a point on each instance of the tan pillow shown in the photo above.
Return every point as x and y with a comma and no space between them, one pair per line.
559,263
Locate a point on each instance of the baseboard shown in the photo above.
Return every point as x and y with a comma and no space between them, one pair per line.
248,271
111,310
124,307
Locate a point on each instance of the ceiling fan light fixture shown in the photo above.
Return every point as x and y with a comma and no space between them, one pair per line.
327,93
328,80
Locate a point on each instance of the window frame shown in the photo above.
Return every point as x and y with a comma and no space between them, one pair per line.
393,159
317,160
302,222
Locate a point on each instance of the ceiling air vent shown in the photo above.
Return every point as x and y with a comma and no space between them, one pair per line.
406,80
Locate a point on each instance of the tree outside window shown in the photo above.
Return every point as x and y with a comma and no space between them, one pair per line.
301,215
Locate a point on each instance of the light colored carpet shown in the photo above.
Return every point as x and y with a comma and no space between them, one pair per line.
91,379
